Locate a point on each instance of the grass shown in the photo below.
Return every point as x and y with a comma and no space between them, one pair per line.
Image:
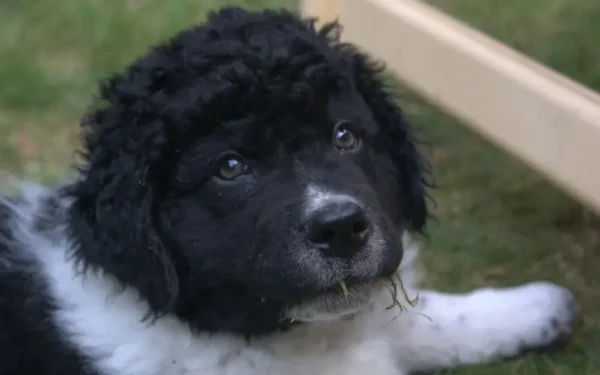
499,223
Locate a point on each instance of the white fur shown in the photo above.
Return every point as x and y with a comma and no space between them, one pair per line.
442,331
317,197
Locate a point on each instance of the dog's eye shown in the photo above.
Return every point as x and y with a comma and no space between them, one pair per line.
344,138
231,167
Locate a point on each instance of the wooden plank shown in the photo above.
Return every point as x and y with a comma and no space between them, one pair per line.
325,10
546,119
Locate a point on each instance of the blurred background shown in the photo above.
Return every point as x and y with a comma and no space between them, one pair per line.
498,222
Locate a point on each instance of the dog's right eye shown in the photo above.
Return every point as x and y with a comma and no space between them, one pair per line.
344,138
231,167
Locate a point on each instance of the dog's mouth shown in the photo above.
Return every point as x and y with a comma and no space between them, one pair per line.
342,301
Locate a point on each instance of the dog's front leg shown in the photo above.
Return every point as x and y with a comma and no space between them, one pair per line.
447,330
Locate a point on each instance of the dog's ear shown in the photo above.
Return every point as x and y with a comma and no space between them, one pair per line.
411,167
113,217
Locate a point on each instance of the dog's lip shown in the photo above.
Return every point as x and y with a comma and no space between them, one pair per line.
327,291
351,285
335,302
353,281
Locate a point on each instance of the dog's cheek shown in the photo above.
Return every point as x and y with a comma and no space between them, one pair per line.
191,230
377,185
385,185
215,236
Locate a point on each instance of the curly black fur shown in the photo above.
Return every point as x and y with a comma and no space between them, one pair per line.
270,87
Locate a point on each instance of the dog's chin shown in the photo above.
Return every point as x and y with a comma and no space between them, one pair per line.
335,305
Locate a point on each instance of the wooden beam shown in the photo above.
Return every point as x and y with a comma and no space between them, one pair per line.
549,121
325,10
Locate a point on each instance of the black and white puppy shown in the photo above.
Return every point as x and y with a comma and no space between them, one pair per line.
245,202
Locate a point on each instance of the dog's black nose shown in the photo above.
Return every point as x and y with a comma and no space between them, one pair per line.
340,228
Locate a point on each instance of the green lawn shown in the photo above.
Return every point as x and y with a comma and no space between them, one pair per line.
499,223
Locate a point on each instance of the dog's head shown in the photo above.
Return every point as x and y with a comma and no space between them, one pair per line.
239,174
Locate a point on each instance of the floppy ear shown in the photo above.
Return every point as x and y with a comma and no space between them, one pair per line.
113,220
410,165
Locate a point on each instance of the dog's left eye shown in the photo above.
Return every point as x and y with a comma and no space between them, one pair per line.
344,139
231,167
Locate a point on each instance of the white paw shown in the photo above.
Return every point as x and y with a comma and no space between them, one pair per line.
512,320
483,326
548,312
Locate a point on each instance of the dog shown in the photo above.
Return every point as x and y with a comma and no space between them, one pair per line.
246,203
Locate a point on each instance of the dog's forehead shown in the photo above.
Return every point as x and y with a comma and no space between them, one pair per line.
312,123
350,106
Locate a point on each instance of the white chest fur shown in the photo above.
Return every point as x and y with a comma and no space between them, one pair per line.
106,324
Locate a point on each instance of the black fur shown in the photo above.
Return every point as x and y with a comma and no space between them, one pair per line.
30,343
222,255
